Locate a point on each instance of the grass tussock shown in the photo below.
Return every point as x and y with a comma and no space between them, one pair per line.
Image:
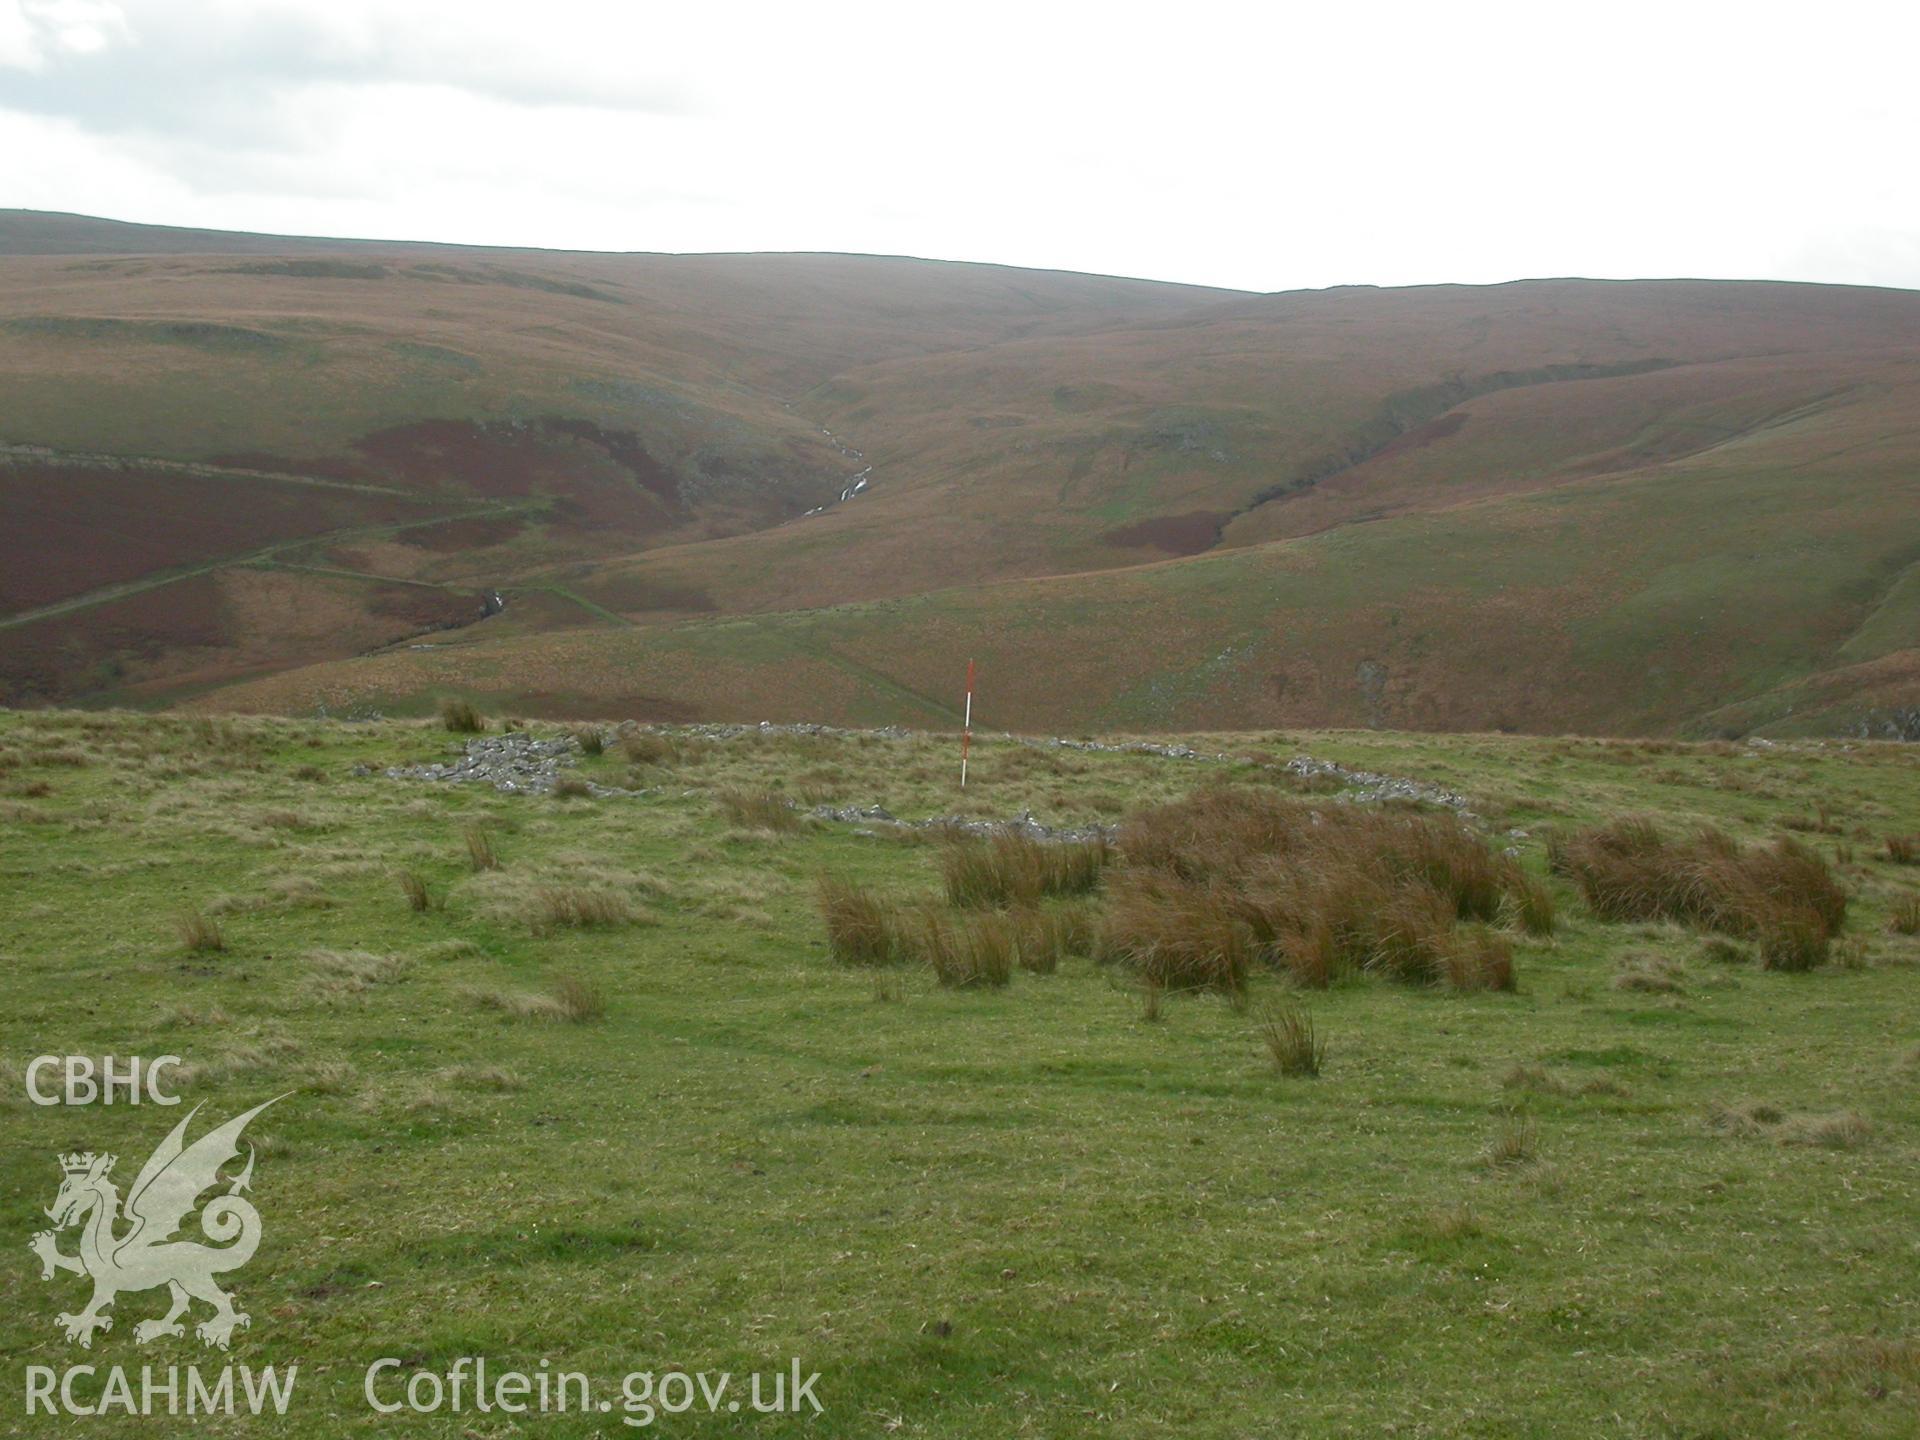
441,952
1051,934
1903,849
357,969
862,929
577,907
1650,975
963,951
1904,918
200,933
1178,935
1834,1130
752,809
1227,881
591,739
1288,1033
480,855
570,998
580,1000
1516,1142
1781,896
460,718
1012,868
571,787
968,952
414,888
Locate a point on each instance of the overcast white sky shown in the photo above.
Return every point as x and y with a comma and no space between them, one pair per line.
1264,147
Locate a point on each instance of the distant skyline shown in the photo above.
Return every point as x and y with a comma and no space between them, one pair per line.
1292,148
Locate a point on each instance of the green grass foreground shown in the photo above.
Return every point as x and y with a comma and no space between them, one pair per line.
607,1101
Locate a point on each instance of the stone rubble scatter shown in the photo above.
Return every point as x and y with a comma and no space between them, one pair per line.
517,763
1022,824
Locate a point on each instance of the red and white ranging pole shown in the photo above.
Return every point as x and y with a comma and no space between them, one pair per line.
966,732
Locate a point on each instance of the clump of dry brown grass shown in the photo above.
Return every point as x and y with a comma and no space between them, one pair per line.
414,888
1048,935
1835,1130
1749,1117
1515,1142
642,748
1478,958
862,929
1178,934
342,975
1722,951
1903,849
1649,975
571,787
461,718
1782,896
1904,918
1013,868
569,998
1288,1033
199,932
967,952
1152,1001
579,999
758,809
1530,904
1226,880
581,907
591,739
480,849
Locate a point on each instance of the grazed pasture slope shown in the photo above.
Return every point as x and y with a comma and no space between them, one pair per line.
1656,1190
1628,507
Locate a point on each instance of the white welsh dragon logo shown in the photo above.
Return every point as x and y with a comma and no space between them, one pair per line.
145,1256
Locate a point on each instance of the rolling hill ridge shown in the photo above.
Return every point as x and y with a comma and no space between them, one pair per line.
247,472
